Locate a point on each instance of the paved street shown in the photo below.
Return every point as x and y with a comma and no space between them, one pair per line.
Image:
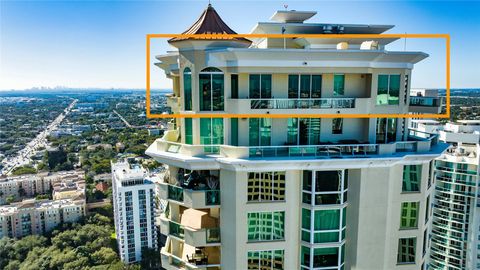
24,156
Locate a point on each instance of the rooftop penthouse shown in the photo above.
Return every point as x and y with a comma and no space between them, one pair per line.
126,174
291,75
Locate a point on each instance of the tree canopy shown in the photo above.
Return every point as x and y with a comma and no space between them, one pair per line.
88,245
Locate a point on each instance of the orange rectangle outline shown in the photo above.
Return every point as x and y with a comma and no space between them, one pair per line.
230,36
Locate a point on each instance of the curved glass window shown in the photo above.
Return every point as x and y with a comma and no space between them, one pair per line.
211,69
211,89
187,88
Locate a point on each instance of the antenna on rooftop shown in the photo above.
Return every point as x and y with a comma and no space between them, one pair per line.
405,43
285,6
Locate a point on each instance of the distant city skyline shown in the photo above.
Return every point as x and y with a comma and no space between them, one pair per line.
101,44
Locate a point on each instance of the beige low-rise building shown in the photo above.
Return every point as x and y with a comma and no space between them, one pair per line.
38,217
27,186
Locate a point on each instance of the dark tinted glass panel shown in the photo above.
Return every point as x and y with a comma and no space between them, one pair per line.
234,85
205,92
316,86
292,86
254,86
328,181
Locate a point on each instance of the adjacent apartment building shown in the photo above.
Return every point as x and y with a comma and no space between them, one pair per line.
39,216
293,192
27,186
455,237
134,206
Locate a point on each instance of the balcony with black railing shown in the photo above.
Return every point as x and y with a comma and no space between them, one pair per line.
192,189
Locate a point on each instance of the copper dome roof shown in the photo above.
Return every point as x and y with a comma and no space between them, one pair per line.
209,23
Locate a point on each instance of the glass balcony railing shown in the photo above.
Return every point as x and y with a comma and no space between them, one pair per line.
175,193
418,143
212,197
314,151
313,103
426,101
176,229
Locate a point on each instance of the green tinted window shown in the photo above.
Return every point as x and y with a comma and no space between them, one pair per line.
211,90
406,250
316,86
412,175
388,89
325,257
234,131
409,215
205,130
217,130
327,219
260,130
260,85
211,132
188,131
394,89
306,218
382,90
304,86
326,226
266,226
292,86
205,85
292,131
187,89
265,260
254,84
305,256
338,84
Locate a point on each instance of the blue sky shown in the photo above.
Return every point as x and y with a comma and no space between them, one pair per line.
102,43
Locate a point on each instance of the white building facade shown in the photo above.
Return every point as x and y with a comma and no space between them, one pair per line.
289,192
133,205
455,237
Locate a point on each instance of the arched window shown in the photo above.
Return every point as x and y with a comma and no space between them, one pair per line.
187,88
211,89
